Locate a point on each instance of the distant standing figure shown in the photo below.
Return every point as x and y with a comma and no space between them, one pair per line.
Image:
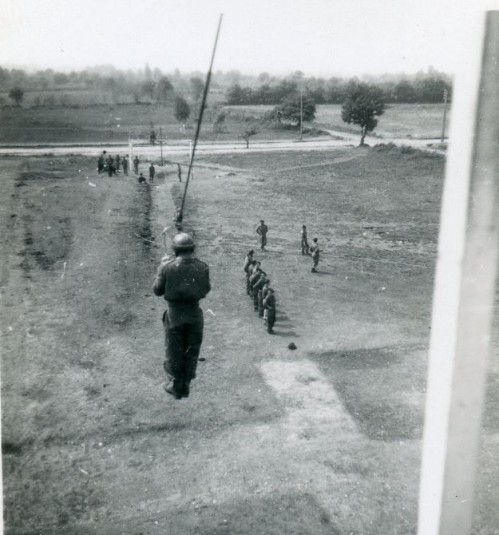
118,161
314,251
269,306
142,179
179,172
111,169
125,165
136,162
262,230
305,249
152,172
100,163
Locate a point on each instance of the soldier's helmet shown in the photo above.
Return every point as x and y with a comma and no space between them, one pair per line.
183,242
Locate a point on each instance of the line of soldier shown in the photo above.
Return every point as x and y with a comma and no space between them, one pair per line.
112,166
259,289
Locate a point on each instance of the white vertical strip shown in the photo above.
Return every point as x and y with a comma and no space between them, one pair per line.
448,282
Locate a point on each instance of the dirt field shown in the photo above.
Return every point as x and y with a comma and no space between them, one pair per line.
322,440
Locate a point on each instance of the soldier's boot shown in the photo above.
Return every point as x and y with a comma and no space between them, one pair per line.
173,388
185,389
314,270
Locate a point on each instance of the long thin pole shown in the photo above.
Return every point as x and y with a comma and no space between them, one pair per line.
301,115
200,120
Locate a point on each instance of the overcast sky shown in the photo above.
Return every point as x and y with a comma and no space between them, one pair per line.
318,37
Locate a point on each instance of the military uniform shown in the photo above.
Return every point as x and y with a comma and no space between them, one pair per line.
269,304
136,162
314,251
249,262
152,172
182,281
259,289
254,280
125,165
262,230
100,164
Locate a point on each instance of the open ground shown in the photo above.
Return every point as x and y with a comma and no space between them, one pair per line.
324,439
118,123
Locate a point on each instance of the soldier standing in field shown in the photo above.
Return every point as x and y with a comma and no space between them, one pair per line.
111,169
179,172
256,274
183,281
314,251
152,172
248,261
251,270
304,241
100,163
125,165
262,230
269,305
118,161
262,284
136,162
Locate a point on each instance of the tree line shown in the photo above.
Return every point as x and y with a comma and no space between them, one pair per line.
427,87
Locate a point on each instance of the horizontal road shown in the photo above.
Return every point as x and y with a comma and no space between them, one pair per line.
182,149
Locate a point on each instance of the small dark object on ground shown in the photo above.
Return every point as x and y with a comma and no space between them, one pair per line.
292,345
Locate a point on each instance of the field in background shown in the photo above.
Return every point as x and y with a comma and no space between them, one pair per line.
115,123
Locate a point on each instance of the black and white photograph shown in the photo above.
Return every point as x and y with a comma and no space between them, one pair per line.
248,267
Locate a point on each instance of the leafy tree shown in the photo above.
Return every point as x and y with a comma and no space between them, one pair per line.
164,89
404,92
364,102
148,89
294,109
181,109
219,124
197,87
16,94
249,132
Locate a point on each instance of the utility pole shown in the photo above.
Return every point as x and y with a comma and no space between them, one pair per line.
445,116
301,115
191,156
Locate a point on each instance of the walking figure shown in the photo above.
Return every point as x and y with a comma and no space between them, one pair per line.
136,162
183,281
262,230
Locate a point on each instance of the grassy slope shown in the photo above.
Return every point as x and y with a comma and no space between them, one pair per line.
100,123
